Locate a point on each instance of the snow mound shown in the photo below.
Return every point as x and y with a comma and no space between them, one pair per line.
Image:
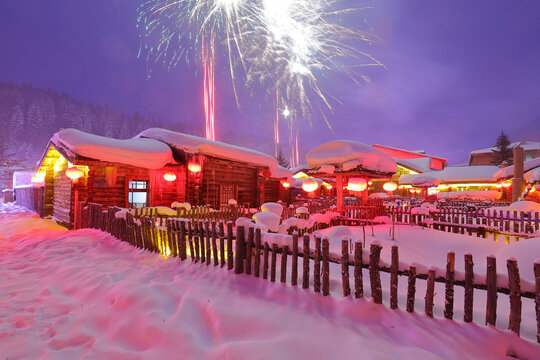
281,172
290,222
197,145
327,169
302,210
508,171
420,211
232,202
145,153
339,152
272,207
382,220
184,205
268,219
379,195
532,176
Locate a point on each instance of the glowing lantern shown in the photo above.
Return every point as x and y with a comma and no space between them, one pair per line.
169,176
74,173
357,184
370,183
310,185
498,186
390,186
266,173
286,184
194,167
38,178
328,187
506,183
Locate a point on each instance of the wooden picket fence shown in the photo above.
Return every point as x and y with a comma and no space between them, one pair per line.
208,242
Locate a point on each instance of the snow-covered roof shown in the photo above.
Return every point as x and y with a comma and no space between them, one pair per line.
456,174
347,155
508,171
282,172
423,180
526,145
197,145
533,176
419,165
145,153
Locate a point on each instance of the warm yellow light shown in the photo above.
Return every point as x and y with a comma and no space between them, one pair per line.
443,187
74,173
370,183
194,167
286,184
390,186
310,185
38,177
507,183
357,184
300,175
498,186
169,176
328,186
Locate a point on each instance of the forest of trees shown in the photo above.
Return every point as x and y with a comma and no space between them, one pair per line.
30,115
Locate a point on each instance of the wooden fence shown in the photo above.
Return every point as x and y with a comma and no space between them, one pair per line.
208,242
31,198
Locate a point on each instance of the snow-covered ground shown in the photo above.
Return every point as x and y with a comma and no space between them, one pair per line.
85,295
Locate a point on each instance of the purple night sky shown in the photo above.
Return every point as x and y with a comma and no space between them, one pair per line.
457,73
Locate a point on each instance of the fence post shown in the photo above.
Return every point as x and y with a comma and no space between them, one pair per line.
284,255
305,261
411,288
294,265
491,286
273,264
469,289
317,267
374,274
221,243
230,257
345,267
265,260
326,267
214,244
394,278
537,298
449,286
257,261
239,253
249,246
515,296
358,281
430,292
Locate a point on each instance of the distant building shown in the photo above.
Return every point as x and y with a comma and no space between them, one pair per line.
531,150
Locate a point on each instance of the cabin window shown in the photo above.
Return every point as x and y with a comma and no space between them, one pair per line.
138,193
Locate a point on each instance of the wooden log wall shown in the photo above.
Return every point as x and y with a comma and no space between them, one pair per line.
216,172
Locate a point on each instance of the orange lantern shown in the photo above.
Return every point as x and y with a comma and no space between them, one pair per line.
357,184
194,167
370,183
507,183
309,185
328,187
74,173
169,177
286,184
390,186
498,186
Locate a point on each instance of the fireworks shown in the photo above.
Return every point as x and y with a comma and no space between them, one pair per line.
287,47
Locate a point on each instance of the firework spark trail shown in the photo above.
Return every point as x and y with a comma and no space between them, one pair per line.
276,124
208,58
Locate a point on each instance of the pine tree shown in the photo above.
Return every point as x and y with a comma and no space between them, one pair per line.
502,151
8,156
282,160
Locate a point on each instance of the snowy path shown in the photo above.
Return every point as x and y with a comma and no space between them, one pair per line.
85,295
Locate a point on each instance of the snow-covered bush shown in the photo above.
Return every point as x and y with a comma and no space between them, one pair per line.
272,207
269,219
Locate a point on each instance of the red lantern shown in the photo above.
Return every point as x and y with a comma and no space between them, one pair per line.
267,173
74,173
390,186
194,167
310,185
169,177
499,185
357,184
286,184
507,183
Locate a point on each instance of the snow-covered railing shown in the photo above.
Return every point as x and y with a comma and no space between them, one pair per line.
248,251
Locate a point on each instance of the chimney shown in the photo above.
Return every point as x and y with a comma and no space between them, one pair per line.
518,183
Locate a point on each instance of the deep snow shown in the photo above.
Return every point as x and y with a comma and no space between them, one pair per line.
83,294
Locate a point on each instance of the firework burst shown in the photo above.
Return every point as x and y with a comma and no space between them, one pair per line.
286,46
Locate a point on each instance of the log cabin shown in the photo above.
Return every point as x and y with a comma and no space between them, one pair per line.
156,168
